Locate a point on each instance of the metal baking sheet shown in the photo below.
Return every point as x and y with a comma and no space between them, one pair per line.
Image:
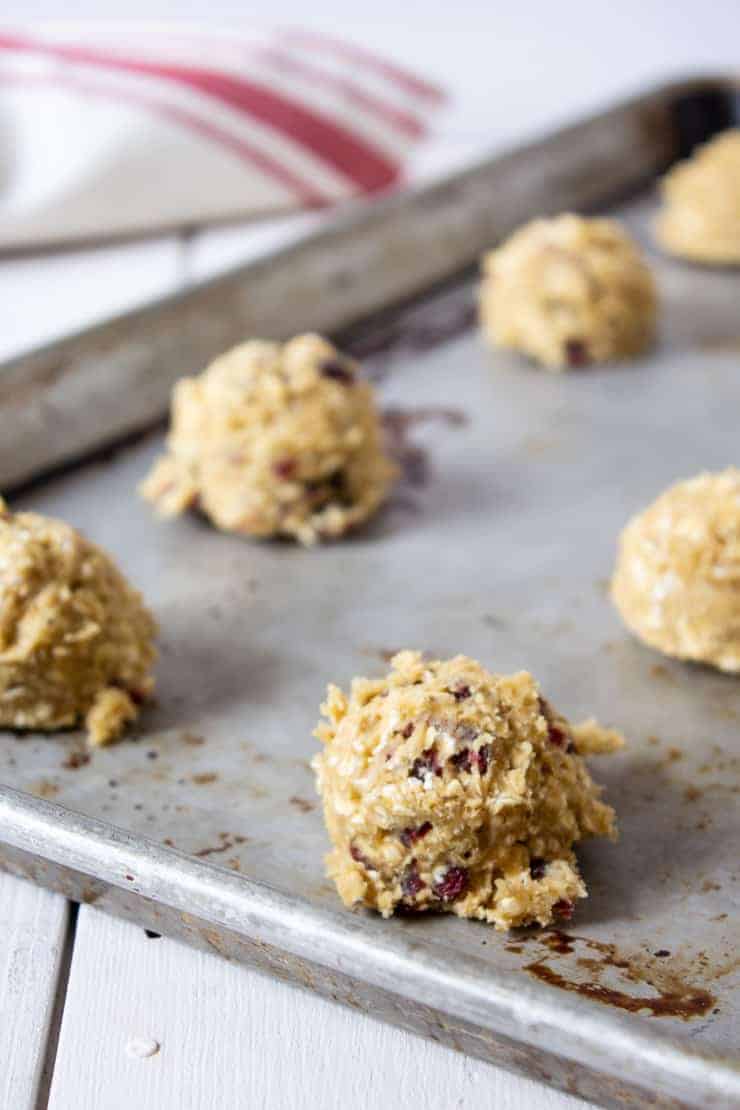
203,823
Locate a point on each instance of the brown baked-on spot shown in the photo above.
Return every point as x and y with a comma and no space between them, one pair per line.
576,352
425,763
537,868
75,760
301,804
411,881
335,370
411,834
452,885
193,739
284,468
226,841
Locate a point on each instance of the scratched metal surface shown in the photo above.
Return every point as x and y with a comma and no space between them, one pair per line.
498,544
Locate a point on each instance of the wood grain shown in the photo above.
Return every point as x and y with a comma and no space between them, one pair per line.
229,1038
33,926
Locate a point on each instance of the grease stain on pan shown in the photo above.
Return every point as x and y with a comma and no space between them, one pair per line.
44,788
413,459
671,994
443,317
685,1004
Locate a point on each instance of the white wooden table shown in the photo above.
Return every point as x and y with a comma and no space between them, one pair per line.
95,1015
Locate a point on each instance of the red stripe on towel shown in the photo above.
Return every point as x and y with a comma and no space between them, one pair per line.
309,196
357,160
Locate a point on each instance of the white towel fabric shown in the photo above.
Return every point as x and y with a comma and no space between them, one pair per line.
110,131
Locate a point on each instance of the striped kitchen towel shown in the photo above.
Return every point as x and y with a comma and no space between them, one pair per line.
111,131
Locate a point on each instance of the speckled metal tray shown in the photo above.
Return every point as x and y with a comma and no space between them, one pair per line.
204,823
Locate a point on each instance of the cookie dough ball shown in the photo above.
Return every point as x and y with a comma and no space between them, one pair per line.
700,218
446,787
568,292
677,579
275,440
76,642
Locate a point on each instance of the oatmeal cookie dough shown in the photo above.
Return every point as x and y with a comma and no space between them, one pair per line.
677,578
76,642
700,217
446,787
568,292
275,440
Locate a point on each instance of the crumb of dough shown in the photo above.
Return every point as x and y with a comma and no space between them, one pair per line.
591,738
275,440
700,216
108,715
677,577
76,641
447,787
568,292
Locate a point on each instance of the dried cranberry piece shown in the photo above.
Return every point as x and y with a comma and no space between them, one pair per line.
576,352
359,857
411,881
557,735
425,763
537,868
563,909
463,760
461,691
138,696
410,835
468,760
407,730
284,468
452,885
484,755
337,371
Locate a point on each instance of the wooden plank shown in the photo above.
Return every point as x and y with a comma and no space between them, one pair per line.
152,1024
33,931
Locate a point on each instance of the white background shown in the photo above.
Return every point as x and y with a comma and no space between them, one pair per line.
228,1037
